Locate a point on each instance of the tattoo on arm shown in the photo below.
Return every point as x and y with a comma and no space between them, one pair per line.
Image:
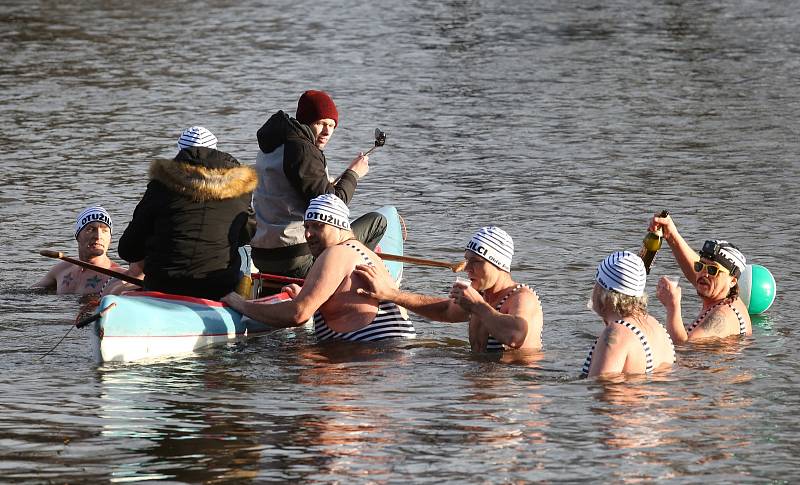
66,280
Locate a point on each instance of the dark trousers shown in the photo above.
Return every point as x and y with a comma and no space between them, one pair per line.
368,229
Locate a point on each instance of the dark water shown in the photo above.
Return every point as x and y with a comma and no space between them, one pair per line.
566,123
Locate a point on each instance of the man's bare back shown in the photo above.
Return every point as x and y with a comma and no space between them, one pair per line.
345,310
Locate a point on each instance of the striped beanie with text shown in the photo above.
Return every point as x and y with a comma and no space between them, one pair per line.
92,214
494,245
329,209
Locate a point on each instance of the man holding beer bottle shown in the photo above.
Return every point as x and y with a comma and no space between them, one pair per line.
714,273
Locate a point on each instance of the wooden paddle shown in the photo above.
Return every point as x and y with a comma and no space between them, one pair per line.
455,267
284,280
97,269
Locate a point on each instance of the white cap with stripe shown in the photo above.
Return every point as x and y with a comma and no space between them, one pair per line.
92,214
197,136
622,272
494,245
329,209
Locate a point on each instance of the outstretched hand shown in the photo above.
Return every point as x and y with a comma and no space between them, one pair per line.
375,286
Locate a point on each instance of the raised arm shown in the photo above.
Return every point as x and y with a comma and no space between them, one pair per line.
670,297
683,253
430,307
305,169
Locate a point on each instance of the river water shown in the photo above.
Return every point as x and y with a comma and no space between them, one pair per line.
568,123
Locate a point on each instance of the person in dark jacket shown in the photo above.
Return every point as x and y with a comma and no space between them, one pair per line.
192,219
292,170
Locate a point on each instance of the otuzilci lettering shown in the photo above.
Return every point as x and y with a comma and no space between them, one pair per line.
325,218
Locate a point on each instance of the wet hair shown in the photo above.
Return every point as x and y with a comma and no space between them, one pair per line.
623,305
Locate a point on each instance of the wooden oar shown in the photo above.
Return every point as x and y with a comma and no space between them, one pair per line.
93,267
455,267
277,278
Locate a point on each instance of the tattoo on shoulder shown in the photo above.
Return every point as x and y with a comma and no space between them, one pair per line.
612,336
715,323
93,282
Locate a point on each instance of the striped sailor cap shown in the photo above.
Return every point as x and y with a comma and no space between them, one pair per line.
622,272
329,209
92,214
494,245
197,136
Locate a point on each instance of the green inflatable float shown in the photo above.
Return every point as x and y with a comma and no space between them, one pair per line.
757,288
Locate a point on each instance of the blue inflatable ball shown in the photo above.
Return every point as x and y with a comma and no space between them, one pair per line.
757,288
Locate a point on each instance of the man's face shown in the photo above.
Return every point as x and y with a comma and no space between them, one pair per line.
320,236
93,240
482,273
714,287
323,131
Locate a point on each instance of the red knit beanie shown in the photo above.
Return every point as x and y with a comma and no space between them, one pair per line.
314,106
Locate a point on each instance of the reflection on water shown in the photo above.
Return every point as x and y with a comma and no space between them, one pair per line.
628,406
163,414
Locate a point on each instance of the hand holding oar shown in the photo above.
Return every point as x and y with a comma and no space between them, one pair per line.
455,267
380,140
97,269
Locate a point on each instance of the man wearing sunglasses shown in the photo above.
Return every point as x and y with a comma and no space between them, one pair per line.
715,275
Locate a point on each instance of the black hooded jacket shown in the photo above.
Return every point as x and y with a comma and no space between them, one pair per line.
189,224
303,163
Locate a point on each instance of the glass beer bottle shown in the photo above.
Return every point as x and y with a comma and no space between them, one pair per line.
651,245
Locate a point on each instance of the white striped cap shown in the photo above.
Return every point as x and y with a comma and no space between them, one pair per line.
494,245
329,209
92,214
622,272
197,136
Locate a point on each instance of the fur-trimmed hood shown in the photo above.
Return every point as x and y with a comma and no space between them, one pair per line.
204,174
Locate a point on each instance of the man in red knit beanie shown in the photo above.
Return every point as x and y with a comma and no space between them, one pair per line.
316,105
292,170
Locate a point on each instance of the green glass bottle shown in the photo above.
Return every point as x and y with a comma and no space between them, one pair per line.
651,245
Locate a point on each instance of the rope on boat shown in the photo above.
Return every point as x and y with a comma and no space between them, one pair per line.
80,324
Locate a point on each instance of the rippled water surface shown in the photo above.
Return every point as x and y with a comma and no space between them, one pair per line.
566,123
